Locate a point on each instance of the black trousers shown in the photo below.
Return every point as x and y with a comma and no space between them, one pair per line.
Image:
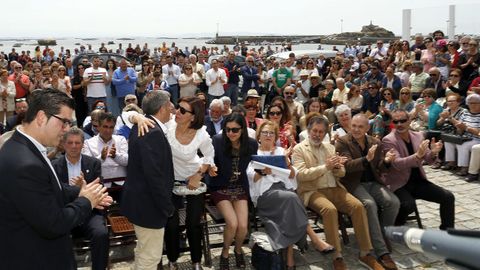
426,190
96,231
194,211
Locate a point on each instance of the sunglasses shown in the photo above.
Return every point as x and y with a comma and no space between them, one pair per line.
288,93
233,130
100,107
131,100
267,133
275,113
387,94
405,93
182,110
454,75
400,121
250,108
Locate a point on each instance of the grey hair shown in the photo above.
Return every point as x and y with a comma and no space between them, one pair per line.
317,120
217,102
226,99
340,80
472,97
74,131
417,64
154,100
341,109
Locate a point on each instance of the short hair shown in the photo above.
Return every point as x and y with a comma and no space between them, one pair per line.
74,131
128,96
340,80
341,109
106,117
226,99
3,71
267,123
399,110
317,119
472,97
430,92
456,95
239,109
154,100
418,64
49,100
216,102
329,81
361,115
132,107
198,110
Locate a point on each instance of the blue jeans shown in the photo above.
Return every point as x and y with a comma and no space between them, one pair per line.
174,92
232,93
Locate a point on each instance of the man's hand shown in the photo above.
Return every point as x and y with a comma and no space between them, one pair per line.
436,147
390,156
371,152
422,148
104,152
106,202
94,192
77,181
113,151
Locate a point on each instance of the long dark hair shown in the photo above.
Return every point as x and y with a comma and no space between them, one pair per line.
244,145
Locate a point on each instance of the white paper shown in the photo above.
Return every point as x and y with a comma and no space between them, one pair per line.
281,172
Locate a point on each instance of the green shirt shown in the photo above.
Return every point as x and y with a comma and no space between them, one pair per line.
281,76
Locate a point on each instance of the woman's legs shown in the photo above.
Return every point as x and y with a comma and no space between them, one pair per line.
231,223
241,210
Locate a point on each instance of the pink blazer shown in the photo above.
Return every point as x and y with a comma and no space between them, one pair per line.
399,173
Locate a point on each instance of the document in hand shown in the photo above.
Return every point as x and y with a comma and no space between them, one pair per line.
276,160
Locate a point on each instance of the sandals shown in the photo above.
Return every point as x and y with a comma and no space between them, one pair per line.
239,259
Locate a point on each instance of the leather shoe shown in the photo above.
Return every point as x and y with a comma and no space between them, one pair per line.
339,264
471,177
387,262
463,171
448,166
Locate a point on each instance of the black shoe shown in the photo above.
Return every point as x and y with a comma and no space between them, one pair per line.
471,177
239,259
224,263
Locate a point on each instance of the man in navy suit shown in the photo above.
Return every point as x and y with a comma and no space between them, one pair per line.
250,76
147,193
71,169
214,120
37,211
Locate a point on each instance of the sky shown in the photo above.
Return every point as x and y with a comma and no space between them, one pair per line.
119,18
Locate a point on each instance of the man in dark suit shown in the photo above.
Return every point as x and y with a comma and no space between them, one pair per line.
214,121
147,193
71,169
250,76
37,212
21,107
365,163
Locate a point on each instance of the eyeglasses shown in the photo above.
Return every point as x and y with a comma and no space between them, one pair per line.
18,67
100,107
454,75
267,133
252,108
288,93
405,93
464,43
450,101
233,130
188,68
387,94
131,100
275,113
65,122
250,61
433,74
400,121
182,109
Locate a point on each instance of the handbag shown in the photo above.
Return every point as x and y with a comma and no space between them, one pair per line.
455,139
181,189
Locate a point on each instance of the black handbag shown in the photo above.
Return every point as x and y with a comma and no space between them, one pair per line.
455,139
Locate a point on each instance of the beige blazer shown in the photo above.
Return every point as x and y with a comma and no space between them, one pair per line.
313,174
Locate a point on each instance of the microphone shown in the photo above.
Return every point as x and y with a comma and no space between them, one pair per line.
459,248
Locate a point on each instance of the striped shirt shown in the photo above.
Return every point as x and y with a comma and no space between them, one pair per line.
471,120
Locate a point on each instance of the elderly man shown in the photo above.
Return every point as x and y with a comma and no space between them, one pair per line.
436,81
407,179
362,179
112,150
71,169
319,170
296,108
340,94
21,107
250,76
214,121
380,52
418,80
125,81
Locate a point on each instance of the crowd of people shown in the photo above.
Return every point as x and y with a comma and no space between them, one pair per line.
355,131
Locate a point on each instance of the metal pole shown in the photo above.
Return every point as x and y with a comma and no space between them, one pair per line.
406,24
451,22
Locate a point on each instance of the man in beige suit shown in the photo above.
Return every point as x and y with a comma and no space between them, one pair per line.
319,170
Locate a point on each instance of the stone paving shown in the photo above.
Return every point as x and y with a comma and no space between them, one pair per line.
467,217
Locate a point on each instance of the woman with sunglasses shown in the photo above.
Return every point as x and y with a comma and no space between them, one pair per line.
229,185
144,77
188,81
382,120
274,197
405,101
61,82
454,83
187,137
403,55
428,55
280,115
426,112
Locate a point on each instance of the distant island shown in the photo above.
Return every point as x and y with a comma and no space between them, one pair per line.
369,34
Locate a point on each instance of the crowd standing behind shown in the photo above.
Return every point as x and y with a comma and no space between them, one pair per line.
360,125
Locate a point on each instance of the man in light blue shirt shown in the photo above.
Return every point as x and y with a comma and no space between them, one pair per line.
124,79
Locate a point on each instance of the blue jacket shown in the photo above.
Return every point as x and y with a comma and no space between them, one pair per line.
396,85
249,77
224,164
123,86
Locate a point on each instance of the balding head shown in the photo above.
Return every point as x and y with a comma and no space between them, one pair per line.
359,126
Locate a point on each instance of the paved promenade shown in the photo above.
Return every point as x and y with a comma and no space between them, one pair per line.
467,206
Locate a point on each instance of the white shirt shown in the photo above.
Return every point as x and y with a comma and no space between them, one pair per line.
306,87
215,89
74,170
43,151
186,161
96,88
264,183
111,167
375,53
171,79
340,95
